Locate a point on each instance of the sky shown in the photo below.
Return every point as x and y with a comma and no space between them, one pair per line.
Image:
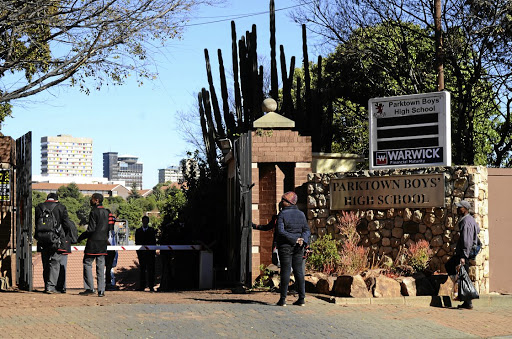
142,121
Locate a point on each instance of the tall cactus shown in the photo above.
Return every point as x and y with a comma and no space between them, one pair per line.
273,64
228,117
307,82
215,103
209,133
236,89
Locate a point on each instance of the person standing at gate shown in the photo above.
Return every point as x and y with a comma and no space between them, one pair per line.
292,238
53,253
111,258
469,230
146,235
96,246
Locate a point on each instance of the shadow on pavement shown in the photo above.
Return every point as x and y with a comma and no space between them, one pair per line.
233,301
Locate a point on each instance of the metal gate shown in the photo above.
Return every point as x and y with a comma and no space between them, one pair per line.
24,212
241,202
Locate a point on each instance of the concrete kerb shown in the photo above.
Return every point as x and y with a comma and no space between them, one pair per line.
486,300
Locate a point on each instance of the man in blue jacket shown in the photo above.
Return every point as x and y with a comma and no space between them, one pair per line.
292,237
469,230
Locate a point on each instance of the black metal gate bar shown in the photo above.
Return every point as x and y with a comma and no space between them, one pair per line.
24,212
243,180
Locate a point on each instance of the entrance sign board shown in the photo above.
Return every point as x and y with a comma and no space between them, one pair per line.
416,191
410,131
5,185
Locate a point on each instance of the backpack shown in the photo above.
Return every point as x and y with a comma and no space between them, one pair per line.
48,229
476,248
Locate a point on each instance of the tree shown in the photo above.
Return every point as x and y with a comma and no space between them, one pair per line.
476,54
69,191
174,204
131,212
90,42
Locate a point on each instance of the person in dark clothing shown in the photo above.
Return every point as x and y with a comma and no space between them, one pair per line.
111,258
96,246
292,237
146,235
469,230
55,261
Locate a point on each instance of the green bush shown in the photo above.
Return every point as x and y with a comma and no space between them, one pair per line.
418,255
324,255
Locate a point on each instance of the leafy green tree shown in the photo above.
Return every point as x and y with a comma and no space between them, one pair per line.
37,198
131,212
173,206
69,191
92,43
476,54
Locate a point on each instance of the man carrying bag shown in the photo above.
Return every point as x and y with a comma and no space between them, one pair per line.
469,230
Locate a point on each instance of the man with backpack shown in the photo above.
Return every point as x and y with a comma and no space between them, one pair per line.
54,234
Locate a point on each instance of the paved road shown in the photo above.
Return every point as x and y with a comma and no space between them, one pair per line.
221,314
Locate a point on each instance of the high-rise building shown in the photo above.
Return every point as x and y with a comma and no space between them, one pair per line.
64,155
170,174
124,167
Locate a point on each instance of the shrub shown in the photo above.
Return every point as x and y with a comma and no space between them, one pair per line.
324,254
418,255
348,222
353,259
264,277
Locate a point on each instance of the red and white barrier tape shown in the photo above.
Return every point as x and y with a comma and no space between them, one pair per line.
142,248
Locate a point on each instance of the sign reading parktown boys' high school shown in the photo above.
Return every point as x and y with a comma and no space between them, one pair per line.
414,191
410,131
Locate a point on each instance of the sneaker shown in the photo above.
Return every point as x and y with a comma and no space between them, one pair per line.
86,292
281,303
465,306
50,291
151,289
101,294
63,291
300,302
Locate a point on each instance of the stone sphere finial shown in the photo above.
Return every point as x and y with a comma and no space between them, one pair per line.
269,105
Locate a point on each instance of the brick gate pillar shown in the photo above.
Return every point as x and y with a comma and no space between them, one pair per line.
281,161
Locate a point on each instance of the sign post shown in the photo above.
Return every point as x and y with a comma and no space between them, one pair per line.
410,131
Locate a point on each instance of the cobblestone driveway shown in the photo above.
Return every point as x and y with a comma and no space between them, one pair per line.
221,314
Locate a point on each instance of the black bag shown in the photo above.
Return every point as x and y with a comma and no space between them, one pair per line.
467,290
476,248
48,229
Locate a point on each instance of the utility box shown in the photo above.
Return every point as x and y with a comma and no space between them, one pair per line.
205,270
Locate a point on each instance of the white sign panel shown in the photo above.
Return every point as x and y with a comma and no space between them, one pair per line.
410,131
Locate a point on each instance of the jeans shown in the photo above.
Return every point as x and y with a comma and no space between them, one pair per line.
100,272
291,257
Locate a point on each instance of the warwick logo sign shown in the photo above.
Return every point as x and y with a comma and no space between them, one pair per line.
410,131
409,156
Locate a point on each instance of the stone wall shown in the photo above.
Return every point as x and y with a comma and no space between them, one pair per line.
384,232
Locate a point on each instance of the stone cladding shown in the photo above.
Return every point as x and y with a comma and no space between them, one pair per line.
384,232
